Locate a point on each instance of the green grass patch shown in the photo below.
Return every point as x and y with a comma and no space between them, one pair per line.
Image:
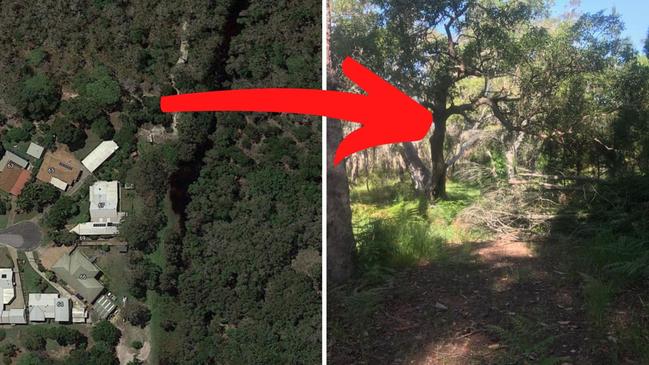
21,217
597,296
130,201
394,227
162,342
113,265
31,281
525,339
5,258
3,221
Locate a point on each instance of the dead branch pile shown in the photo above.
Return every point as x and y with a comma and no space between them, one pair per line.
472,172
529,202
513,208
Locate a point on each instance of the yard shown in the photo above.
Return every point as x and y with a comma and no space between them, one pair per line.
32,282
113,265
91,143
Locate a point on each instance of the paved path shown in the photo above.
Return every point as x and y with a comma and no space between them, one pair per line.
85,173
24,236
19,301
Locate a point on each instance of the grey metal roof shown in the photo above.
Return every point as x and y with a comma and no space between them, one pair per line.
35,150
12,157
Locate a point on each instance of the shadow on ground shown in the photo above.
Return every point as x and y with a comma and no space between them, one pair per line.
500,304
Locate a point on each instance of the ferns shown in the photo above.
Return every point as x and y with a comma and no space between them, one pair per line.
526,342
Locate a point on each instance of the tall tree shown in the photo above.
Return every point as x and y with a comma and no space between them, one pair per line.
440,46
340,238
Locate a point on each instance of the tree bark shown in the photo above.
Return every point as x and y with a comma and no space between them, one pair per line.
340,238
437,184
511,156
419,173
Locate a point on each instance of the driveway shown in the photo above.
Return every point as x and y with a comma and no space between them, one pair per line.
24,236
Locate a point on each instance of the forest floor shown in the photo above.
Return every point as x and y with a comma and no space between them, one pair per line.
504,299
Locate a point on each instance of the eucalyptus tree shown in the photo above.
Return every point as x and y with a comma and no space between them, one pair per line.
428,47
431,49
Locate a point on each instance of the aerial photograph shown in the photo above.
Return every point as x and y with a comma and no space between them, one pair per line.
133,236
516,232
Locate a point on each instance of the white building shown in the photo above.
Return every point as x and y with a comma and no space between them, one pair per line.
99,155
104,214
43,306
13,316
7,285
35,150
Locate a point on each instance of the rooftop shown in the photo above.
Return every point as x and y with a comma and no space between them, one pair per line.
12,157
35,150
104,196
7,285
13,178
79,273
61,165
99,155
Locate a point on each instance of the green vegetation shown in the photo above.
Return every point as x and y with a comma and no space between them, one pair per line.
542,122
36,196
406,231
203,182
105,331
38,97
31,281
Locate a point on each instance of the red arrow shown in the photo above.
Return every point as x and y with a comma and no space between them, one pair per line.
386,114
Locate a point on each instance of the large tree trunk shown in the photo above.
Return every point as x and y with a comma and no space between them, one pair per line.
437,183
340,238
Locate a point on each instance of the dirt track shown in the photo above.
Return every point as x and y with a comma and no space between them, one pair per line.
479,310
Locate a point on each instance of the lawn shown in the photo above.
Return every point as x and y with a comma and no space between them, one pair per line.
130,202
113,266
5,259
91,143
25,216
162,342
3,221
31,281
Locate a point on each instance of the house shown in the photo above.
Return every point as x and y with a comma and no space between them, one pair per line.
7,285
43,306
99,155
35,150
13,315
104,214
13,173
59,168
13,158
80,274
13,178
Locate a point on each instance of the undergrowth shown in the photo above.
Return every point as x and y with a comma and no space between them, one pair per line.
395,228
